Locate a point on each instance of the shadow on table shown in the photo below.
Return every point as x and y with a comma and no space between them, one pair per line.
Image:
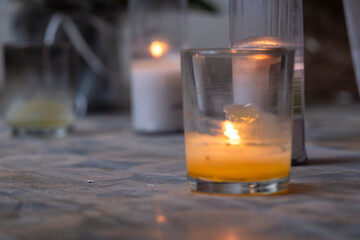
340,145
300,188
345,160
96,132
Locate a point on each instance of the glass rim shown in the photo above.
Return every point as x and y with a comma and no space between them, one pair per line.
238,51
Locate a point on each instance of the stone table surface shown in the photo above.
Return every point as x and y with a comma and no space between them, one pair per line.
106,182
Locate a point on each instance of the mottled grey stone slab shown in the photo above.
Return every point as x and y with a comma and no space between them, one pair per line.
106,182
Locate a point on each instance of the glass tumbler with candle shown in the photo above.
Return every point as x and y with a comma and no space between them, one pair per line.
158,35
274,24
238,119
38,83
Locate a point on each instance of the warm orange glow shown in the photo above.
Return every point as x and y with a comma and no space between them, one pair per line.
231,236
231,133
214,158
261,56
267,42
160,218
157,48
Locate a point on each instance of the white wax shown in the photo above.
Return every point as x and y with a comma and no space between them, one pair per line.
253,77
246,80
156,95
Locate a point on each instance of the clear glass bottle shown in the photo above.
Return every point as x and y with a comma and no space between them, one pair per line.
269,24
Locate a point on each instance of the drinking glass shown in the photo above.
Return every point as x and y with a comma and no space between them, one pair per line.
238,119
38,83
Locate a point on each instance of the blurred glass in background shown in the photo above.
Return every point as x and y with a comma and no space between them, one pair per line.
99,32
38,89
352,9
96,29
333,112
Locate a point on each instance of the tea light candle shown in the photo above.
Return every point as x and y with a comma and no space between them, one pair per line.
256,149
156,92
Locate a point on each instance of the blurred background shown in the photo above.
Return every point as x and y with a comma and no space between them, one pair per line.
104,27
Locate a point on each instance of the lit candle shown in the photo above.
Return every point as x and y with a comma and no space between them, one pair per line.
156,92
253,147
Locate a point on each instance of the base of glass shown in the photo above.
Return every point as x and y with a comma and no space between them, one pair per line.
262,187
58,132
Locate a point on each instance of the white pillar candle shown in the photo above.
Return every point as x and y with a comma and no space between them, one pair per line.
156,95
254,78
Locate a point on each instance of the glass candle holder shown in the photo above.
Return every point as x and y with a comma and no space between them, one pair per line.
38,82
238,119
158,35
275,24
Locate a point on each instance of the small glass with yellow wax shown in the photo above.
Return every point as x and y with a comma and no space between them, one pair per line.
238,119
39,84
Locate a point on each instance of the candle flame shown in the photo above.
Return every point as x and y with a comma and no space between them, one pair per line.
231,133
157,48
160,218
261,56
